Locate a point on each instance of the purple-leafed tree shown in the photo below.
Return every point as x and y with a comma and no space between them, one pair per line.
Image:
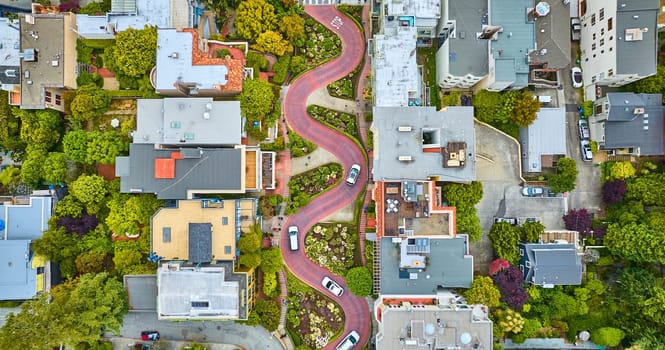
80,226
578,220
599,230
71,6
497,265
510,282
613,191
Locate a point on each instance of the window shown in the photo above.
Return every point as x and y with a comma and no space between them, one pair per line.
521,252
227,249
593,19
594,36
58,100
602,51
610,49
593,46
610,72
527,263
593,79
601,14
166,234
47,97
602,31
611,38
609,24
200,304
602,41
225,220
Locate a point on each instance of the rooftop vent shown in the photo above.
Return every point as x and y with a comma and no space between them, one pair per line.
405,158
206,115
633,34
638,110
174,55
404,128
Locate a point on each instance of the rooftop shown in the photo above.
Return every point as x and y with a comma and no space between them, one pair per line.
635,121
553,36
18,280
467,53
546,136
24,218
426,12
438,325
422,265
48,47
397,80
172,228
181,173
10,46
200,292
422,143
514,42
181,65
638,16
135,14
188,121
551,264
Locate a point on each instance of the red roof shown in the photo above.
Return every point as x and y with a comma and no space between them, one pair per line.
164,168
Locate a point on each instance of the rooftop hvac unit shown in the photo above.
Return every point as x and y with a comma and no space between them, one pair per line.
206,115
405,158
404,128
638,110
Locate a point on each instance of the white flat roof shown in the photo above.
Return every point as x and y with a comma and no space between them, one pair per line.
396,75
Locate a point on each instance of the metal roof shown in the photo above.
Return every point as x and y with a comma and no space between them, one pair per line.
25,221
397,79
211,170
189,120
551,263
514,42
641,15
123,6
545,136
398,143
448,265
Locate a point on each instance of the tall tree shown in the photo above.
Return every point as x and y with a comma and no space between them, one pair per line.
135,51
75,145
271,260
565,177
483,291
613,191
91,101
531,231
130,214
636,242
359,281
254,17
525,109
578,220
511,284
293,27
60,247
621,171
55,168
256,99
39,129
89,190
505,241
32,168
103,147
272,42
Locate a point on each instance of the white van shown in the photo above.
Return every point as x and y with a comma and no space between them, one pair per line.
293,237
349,342
544,99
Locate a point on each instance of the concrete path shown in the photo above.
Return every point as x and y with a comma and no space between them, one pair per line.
356,310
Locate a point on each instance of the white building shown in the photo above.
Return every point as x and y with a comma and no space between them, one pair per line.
618,42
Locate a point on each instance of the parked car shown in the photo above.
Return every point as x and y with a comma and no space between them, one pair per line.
576,76
532,191
512,221
349,341
583,129
575,29
585,148
353,174
150,335
293,237
332,286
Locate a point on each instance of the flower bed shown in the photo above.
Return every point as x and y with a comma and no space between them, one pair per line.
333,246
335,119
312,318
303,187
321,45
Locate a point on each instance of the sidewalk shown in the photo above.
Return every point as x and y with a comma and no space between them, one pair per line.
126,343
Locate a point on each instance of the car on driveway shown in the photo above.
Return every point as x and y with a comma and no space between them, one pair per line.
332,286
353,174
149,335
512,221
585,148
532,191
583,128
576,75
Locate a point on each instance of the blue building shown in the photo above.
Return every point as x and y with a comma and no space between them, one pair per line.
550,264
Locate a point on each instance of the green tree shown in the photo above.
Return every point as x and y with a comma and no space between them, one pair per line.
37,326
359,281
256,99
654,307
32,168
509,320
468,222
10,127
92,262
250,242
39,129
130,214
565,177
525,109
459,194
531,231
89,190
250,260
270,285
96,8
103,147
55,168
483,291
607,336
265,313
60,247
9,176
135,51
293,27
126,258
648,189
271,260
91,101
75,145
505,240
622,170
636,242
654,84
529,330
298,64
68,206
254,17
272,42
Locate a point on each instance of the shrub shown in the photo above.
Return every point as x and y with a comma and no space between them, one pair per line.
359,281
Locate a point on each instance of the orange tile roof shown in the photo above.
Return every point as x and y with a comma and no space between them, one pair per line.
164,168
235,66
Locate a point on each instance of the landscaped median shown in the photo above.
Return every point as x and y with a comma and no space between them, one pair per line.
333,246
306,186
343,122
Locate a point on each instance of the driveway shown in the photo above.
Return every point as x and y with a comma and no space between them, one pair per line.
356,311
226,332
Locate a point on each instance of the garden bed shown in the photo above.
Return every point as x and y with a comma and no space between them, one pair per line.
313,319
341,121
303,187
321,45
299,146
333,246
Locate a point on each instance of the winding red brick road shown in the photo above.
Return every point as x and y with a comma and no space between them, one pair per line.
356,310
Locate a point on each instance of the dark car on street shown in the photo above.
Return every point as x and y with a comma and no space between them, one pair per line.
149,335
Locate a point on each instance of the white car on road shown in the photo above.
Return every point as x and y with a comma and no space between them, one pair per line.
332,286
576,75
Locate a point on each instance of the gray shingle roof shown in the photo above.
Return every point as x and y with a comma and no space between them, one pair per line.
550,263
638,14
200,242
515,41
625,129
468,55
